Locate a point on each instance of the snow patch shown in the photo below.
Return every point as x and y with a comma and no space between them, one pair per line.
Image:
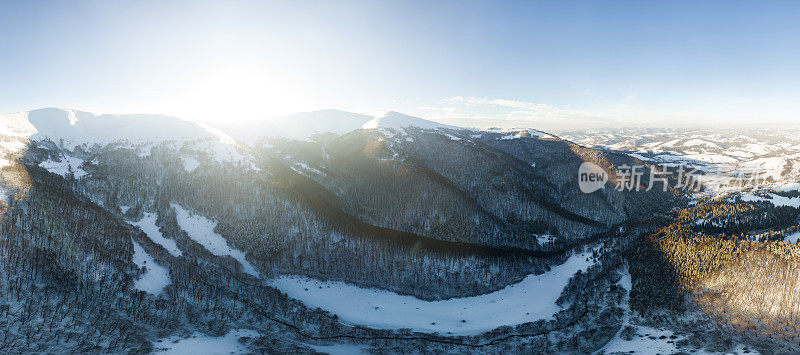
777,201
544,238
700,142
452,137
304,169
189,164
65,166
155,278
792,238
201,230
646,340
148,225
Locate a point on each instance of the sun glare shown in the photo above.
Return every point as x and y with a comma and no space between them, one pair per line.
238,91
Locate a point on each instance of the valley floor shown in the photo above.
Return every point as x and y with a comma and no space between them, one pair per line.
531,299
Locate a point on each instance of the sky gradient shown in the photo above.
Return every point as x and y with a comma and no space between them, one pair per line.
548,65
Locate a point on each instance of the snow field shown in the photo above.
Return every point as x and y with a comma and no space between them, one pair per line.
531,299
203,344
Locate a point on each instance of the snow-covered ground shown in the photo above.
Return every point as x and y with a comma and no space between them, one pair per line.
64,166
792,238
646,340
189,164
156,276
531,299
338,349
544,238
777,201
201,230
767,153
518,133
149,227
204,344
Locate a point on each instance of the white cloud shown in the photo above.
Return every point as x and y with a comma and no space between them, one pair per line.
484,112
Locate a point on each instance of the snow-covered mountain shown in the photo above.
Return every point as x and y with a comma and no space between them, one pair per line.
306,125
76,134
774,153
398,120
329,231
71,128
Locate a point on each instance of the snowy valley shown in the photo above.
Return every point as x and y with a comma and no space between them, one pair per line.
333,232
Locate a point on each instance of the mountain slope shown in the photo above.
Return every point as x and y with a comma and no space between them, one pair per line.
175,238
397,120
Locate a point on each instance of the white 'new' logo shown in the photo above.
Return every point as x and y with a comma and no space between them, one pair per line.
591,177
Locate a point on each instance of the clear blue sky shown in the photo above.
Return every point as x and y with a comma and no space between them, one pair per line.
552,65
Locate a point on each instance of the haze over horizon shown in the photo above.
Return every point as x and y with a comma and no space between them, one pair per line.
541,65
399,176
